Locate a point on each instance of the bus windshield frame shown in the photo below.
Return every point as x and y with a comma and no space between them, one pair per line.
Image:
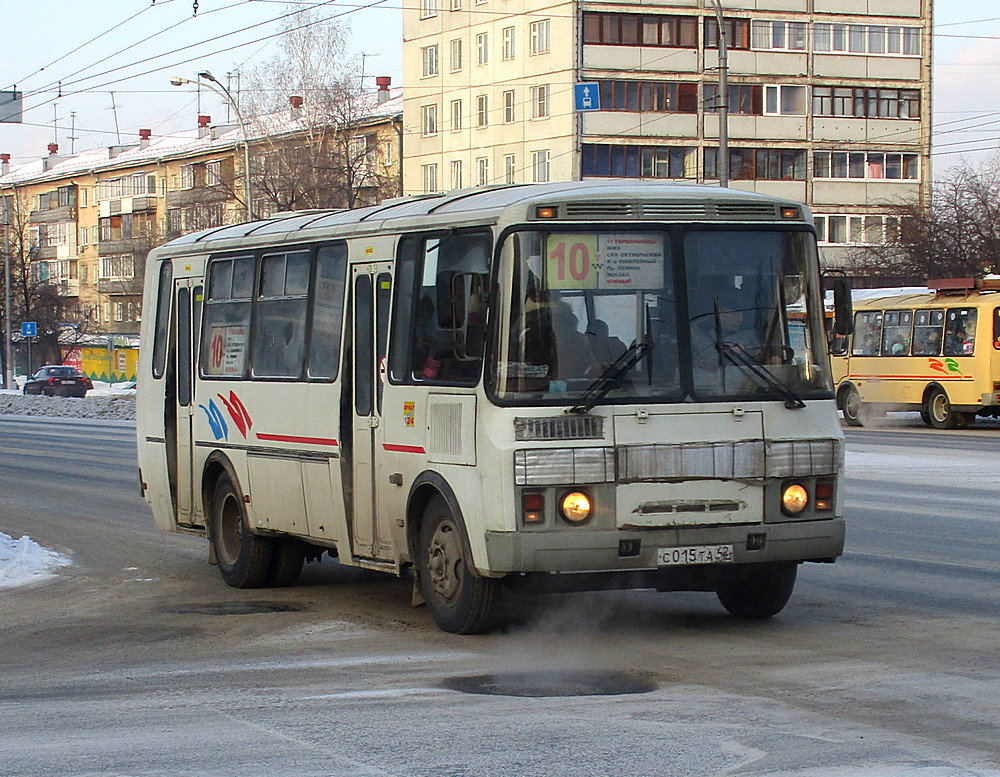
569,300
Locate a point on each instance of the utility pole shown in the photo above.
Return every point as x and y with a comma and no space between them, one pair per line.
723,162
72,132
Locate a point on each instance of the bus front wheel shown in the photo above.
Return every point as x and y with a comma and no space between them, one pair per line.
755,591
938,410
244,558
460,601
852,407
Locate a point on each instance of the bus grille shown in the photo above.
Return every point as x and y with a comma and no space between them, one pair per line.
666,211
734,210
584,427
600,210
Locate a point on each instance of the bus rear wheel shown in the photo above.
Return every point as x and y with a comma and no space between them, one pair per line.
244,558
460,601
756,591
938,410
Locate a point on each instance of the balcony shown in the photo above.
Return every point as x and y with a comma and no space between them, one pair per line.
53,215
187,197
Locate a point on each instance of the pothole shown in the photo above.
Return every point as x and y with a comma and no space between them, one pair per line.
542,684
231,608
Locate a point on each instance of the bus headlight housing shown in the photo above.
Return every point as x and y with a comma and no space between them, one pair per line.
576,507
794,498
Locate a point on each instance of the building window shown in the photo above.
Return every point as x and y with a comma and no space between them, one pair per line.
456,5
508,169
866,103
649,96
621,29
456,174
429,57
428,8
456,115
737,33
745,99
759,164
483,171
187,177
602,160
116,268
539,102
213,175
483,48
872,166
430,178
540,166
429,119
784,100
456,54
540,37
508,43
769,35
856,230
887,40
508,106
482,110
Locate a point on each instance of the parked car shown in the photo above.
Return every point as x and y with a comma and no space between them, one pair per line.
58,380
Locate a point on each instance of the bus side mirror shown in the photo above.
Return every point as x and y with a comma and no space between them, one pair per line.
843,309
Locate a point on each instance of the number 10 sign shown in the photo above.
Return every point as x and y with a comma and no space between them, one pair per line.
607,261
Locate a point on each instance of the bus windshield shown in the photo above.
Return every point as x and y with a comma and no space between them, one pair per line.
696,314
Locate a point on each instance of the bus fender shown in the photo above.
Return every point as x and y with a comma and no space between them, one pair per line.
929,388
845,386
216,464
425,487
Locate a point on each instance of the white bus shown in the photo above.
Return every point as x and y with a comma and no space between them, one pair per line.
553,387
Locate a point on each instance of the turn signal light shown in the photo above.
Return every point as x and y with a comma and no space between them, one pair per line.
545,212
533,508
824,496
789,213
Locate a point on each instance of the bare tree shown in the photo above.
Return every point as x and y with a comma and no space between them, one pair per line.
324,152
955,235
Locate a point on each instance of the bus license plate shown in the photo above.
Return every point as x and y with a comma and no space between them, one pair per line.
695,554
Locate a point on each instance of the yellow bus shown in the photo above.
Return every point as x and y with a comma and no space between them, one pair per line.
936,351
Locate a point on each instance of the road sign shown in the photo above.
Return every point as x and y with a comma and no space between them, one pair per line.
588,96
29,329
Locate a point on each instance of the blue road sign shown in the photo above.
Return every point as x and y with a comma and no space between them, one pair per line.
29,329
588,96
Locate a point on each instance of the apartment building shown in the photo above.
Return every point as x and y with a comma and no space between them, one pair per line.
86,221
829,101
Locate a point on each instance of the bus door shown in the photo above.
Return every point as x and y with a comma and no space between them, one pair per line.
180,392
372,289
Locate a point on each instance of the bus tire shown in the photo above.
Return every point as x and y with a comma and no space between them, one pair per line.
937,406
244,558
755,591
853,407
288,555
460,601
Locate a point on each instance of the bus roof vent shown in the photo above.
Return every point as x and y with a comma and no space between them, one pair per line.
600,210
580,427
748,210
666,211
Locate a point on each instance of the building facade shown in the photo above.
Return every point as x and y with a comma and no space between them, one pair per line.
829,100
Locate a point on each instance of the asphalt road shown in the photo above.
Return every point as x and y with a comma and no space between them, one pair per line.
129,663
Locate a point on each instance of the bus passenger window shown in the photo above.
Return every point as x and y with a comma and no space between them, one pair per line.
996,328
960,332
328,310
927,327
897,332
280,326
227,317
867,333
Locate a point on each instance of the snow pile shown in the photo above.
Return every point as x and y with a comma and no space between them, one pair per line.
119,407
24,561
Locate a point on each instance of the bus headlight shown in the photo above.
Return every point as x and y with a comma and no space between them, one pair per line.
575,507
794,499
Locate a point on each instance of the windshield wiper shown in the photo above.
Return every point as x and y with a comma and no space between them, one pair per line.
612,376
741,359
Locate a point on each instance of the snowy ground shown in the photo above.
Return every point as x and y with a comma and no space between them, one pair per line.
105,400
23,561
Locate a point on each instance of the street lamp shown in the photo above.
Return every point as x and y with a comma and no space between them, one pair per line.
723,164
225,94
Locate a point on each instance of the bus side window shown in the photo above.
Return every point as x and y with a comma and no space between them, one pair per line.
996,328
441,282
927,327
328,312
960,332
867,332
897,332
163,294
227,317
280,326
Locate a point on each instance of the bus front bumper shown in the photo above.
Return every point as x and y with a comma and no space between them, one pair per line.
616,550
